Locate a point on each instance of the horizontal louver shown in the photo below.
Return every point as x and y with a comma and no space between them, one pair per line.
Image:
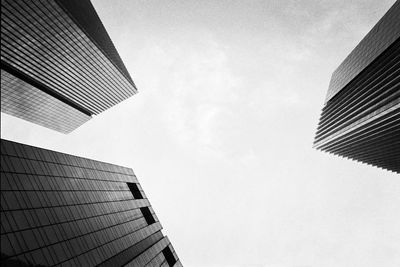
45,44
362,121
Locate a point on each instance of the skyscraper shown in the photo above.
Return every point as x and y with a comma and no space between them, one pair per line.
59,209
58,64
58,68
361,116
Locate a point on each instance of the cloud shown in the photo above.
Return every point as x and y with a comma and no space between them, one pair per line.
195,88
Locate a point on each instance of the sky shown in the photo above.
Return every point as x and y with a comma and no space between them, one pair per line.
220,134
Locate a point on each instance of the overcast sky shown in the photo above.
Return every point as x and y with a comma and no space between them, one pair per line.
220,134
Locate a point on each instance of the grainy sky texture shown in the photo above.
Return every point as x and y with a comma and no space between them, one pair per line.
220,134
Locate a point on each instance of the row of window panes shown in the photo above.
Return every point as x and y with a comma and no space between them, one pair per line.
21,182
25,151
102,232
90,209
19,165
81,243
25,219
117,241
59,169
54,215
40,199
50,235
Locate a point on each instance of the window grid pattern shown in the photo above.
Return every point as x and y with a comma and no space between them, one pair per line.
24,101
58,209
41,40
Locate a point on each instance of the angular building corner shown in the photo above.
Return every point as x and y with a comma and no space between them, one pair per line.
58,64
59,209
360,119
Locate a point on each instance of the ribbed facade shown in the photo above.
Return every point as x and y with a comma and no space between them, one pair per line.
63,210
62,47
22,100
361,116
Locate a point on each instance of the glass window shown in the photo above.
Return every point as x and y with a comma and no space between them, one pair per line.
135,190
147,215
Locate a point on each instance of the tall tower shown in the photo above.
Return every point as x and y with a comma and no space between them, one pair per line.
58,64
59,209
361,116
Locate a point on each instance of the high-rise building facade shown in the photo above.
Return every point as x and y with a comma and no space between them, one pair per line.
361,116
59,209
58,64
59,67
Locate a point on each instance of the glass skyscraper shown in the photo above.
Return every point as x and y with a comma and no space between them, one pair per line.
59,209
361,116
58,64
